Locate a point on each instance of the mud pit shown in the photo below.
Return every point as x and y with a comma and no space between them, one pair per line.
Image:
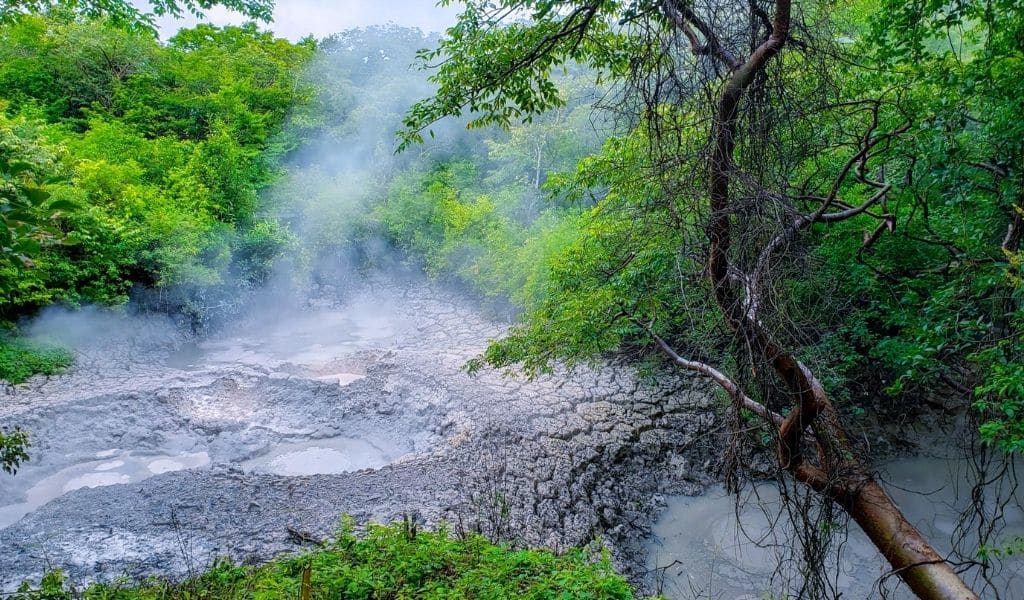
702,546
154,455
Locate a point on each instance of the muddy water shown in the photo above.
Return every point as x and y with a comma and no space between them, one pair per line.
326,457
96,440
28,492
700,550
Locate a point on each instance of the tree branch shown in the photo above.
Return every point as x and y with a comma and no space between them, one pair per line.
683,17
741,399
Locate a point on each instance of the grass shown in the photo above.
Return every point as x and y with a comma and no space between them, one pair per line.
21,359
389,562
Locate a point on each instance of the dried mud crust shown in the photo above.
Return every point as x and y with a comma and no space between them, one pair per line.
551,462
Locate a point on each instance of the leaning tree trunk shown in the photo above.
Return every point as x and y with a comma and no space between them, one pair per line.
836,475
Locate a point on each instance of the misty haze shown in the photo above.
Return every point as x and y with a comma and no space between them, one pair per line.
677,300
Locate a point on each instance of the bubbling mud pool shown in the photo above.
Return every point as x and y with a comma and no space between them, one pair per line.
276,395
110,467
326,457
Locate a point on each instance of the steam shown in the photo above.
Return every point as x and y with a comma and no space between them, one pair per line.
365,81
338,171
92,329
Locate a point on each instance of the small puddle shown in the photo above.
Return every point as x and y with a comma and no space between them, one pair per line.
325,457
111,468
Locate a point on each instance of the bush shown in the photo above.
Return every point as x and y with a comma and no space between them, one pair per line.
20,359
389,562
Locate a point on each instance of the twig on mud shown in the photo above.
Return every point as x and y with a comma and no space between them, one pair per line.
302,538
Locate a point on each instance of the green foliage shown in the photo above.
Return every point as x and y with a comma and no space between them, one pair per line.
1012,547
937,300
456,229
12,449
616,274
152,157
256,253
502,74
389,562
129,14
485,215
27,208
20,359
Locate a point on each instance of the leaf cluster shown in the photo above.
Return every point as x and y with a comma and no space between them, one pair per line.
501,73
138,164
130,15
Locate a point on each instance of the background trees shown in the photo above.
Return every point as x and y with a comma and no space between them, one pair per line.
156,154
127,14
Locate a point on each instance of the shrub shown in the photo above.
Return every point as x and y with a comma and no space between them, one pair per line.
392,561
21,359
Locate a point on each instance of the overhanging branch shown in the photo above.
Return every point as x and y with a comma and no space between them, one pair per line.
686,20
720,378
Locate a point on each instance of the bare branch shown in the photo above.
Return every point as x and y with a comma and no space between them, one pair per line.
853,211
720,378
683,17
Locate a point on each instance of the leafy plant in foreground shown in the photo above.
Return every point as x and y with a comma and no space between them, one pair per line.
391,561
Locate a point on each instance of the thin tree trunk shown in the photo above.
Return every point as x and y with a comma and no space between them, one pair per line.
536,170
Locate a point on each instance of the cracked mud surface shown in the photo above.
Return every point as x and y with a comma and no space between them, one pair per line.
222,447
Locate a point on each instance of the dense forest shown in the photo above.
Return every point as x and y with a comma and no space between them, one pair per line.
817,206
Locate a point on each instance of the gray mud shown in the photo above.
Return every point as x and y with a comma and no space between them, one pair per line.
155,453
710,547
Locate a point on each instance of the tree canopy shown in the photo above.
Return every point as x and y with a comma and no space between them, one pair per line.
129,14
148,158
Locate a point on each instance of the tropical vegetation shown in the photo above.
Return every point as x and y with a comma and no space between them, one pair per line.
395,561
815,206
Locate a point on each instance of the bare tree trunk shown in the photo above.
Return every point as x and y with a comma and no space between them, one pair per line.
836,475
926,573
